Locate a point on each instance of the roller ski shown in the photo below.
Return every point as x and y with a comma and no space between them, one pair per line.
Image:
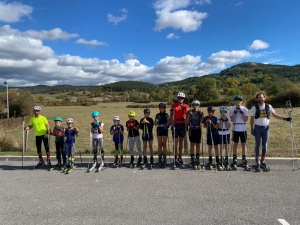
64,167
50,168
93,167
234,164
180,163
151,165
221,166
264,166
226,164
246,165
210,165
100,167
40,164
197,164
71,168
258,164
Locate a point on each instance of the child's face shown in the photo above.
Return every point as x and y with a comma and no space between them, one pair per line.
70,125
223,112
96,118
131,117
146,115
57,123
162,109
210,112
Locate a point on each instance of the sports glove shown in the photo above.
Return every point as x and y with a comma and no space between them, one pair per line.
130,125
252,132
288,119
97,124
241,112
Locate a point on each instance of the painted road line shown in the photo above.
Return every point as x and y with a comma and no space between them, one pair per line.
283,222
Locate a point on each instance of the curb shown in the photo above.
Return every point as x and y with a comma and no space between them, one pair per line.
85,159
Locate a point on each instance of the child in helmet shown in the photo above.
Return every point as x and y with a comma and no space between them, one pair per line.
97,138
212,137
70,133
224,136
146,125
42,129
177,120
161,121
193,121
117,130
59,132
132,126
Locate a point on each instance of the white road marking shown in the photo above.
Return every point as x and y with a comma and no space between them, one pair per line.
283,222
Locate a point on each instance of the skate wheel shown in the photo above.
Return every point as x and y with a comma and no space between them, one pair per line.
211,168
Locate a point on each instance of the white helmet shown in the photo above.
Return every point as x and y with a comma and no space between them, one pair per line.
37,108
70,120
195,102
180,95
116,118
223,108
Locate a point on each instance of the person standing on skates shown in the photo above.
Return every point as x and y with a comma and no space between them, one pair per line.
224,136
161,121
146,125
212,137
132,126
70,133
193,122
177,120
59,132
42,129
97,132
239,116
259,122
117,131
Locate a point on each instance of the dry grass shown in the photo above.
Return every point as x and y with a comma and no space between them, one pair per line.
11,132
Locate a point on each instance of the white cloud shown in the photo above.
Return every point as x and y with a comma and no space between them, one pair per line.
90,43
129,56
50,35
202,2
172,36
258,44
219,60
170,15
238,4
14,12
117,19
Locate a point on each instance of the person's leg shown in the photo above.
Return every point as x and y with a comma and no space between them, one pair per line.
258,135
265,138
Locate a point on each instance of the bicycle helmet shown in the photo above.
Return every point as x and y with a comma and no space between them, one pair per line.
131,113
95,113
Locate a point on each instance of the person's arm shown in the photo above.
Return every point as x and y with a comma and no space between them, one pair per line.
277,116
101,127
121,129
112,130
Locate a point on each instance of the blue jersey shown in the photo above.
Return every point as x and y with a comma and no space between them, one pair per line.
70,136
117,136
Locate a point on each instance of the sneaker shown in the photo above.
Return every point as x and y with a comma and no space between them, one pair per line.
41,163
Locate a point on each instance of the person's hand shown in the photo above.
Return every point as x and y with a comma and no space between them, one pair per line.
208,121
252,132
97,124
130,125
288,119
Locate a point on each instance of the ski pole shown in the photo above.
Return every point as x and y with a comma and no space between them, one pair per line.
23,127
249,155
213,147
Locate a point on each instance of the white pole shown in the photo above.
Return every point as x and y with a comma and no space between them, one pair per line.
7,98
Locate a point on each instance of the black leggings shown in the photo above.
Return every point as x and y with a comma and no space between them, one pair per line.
38,143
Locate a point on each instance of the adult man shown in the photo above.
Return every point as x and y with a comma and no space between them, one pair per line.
260,119
177,120
239,116
41,127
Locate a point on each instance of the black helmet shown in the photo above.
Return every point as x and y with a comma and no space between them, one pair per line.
147,111
210,108
161,105
238,97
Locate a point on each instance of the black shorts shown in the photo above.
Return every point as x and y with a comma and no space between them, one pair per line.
225,138
239,135
195,135
147,137
162,132
215,138
179,130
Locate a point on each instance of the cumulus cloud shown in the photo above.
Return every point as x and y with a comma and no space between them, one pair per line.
49,35
129,56
117,19
14,12
258,44
90,43
172,36
202,2
220,59
27,61
170,14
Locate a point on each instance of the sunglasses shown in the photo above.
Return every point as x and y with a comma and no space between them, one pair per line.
37,110
211,111
237,100
162,108
180,98
223,112
195,105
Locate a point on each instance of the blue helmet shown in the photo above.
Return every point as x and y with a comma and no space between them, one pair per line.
95,113
58,119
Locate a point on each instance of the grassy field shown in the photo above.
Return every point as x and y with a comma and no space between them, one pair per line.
11,132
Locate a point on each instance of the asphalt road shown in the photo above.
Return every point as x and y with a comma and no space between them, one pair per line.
163,196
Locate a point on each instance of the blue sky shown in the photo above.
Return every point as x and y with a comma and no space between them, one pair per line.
90,42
